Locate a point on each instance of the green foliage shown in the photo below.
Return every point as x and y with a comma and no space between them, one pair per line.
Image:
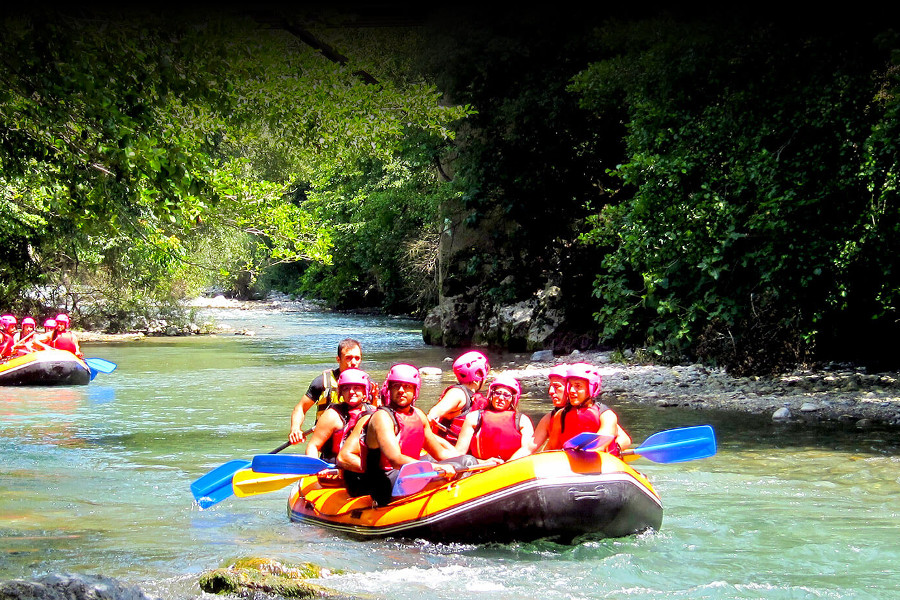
139,145
756,198
385,220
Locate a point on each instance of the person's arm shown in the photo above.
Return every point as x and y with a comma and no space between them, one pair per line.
526,428
328,423
297,415
435,448
466,432
381,430
349,457
448,406
622,438
609,423
537,439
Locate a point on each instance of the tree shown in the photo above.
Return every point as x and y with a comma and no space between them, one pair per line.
757,201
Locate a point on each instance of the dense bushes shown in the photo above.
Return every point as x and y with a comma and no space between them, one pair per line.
758,208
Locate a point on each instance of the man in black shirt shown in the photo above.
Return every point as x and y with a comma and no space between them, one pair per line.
323,389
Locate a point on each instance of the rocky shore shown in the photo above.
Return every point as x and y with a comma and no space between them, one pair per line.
840,393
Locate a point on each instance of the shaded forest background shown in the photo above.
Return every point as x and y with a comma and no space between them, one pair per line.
719,187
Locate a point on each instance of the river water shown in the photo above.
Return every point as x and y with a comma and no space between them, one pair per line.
95,479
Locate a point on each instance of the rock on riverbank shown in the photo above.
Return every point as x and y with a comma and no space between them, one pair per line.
842,394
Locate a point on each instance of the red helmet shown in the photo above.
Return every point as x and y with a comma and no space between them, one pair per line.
28,321
401,373
507,381
50,324
62,318
587,372
471,367
7,320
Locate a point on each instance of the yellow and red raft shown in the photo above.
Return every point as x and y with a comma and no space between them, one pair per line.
45,367
556,495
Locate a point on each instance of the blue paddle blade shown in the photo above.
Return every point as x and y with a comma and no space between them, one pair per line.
679,445
413,477
588,440
295,464
93,372
215,486
100,365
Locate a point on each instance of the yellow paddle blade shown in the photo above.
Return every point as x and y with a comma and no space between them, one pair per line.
251,483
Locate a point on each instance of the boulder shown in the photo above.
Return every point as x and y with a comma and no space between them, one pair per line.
250,577
70,587
450,323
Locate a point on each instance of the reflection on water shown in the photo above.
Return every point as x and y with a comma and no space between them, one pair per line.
96,479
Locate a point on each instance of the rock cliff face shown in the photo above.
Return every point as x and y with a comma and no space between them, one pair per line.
527,326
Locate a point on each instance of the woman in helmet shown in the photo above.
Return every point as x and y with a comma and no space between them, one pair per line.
447,416
497,431
24,343
65,339
337,421
395,434
584,414
557,392
7,335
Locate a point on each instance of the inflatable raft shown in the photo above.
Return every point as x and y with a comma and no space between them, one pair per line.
557,495
45,367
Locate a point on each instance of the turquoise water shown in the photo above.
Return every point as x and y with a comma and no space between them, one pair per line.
95,479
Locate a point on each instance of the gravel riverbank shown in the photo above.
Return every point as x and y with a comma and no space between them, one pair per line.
843,394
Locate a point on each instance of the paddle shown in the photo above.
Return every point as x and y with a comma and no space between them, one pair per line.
215,486
404,485
415,479
248,482
671,446
99,365
588,440
292,464
678,445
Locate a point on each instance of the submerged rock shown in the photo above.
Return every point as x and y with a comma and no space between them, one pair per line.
70,587
249,577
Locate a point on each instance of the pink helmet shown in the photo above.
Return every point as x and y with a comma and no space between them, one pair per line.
353,377
558,371
507,381
50,324
62,318
471,367
28,321
588,372
401,373
7,320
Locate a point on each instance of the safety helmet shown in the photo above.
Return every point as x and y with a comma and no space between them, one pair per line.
62,318
507,381
7,320
401,373
50,324
587,372
28,321
558,371
471,367
353,377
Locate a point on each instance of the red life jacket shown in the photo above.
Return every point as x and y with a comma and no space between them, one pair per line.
497,434
474,401
6,344
349,416
410,430
66,341
571,421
